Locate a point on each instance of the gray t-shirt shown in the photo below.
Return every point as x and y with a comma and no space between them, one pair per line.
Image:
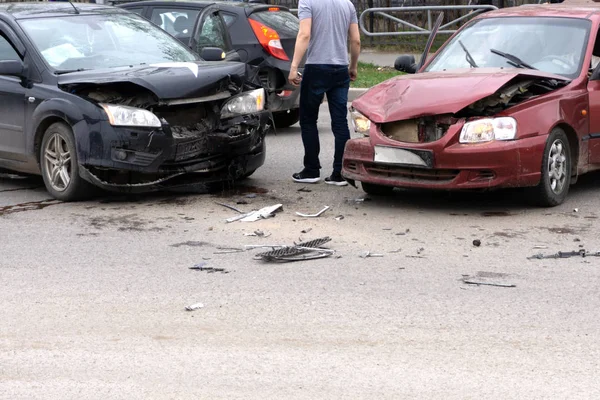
331,21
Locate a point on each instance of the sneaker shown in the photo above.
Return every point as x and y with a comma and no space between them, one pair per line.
306,177
336,179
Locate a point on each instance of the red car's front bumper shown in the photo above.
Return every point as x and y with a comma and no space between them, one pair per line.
455,166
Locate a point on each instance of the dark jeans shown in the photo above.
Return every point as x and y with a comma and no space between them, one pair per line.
318,80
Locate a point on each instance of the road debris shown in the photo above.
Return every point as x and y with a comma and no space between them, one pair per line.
202,267
241,202
194,307
251,196
487,279
313,215
367,253
476,242
396,251
263,213
576,210
258,233
339,218
306,230
565,254
190,243
420,250
540,247
304,189
403,233
301,251
230,207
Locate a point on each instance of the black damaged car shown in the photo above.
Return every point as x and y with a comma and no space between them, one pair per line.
95,95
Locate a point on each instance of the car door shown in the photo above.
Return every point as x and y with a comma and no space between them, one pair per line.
210,31
12,100
593,137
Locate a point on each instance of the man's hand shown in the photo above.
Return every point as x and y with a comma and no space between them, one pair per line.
294,78
353,73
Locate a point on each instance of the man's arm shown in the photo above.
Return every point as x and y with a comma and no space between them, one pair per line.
354,36
300,50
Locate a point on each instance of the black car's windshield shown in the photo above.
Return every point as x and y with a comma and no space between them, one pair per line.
82,42
554,45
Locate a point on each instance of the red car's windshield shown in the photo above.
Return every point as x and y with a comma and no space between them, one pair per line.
553,45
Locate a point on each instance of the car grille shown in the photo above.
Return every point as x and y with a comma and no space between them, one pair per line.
412,174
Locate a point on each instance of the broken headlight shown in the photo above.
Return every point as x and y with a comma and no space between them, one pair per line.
130,116
245,103
488,129
360,123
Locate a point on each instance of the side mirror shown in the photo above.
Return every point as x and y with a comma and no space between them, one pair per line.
406,63
11,68
212,54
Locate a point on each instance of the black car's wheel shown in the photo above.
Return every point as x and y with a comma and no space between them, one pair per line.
283,119
60,170
378,190
246,175
556,171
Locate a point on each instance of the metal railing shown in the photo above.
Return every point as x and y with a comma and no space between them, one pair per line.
414,29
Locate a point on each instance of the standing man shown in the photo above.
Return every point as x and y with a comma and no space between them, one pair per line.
325,26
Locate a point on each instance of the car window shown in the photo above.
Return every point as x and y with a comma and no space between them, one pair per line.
178,22
229,19
7,52
213,33
553,45
285,23
80,42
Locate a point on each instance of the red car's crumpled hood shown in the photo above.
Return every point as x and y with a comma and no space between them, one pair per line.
434,93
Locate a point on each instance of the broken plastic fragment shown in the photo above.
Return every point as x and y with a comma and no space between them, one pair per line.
313,215
194,307
252,216
366,253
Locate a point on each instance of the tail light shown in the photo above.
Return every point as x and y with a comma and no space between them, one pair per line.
269,39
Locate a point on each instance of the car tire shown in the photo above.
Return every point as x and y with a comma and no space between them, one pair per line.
377,190
556,171
246,175
284,119
59,165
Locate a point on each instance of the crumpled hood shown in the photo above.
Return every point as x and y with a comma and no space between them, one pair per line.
167,80
434,93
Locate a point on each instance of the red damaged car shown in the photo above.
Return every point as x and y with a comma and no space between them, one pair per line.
511,100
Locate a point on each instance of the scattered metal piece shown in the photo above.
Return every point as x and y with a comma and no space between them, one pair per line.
302,251
476,242
367,253
540,247
241,202
339,217
230,207
229,251
415,256
194,307
387,229
313,215
565,254
306,230
198,266
211,270
263,213
305,190
396,251
258,233
474,282
576,210
251,196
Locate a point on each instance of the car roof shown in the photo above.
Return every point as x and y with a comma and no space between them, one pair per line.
198,3
567,9
54,9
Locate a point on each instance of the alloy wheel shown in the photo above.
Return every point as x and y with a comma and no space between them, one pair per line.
557,166
58,162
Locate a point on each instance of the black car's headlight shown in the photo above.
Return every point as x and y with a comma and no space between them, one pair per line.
244,103
130,116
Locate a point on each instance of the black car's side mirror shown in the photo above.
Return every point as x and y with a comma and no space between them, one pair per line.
12,68
406,63
212,54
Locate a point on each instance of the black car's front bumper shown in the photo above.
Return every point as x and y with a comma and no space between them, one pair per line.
141,159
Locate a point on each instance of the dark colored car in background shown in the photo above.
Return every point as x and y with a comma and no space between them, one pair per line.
96,95
259,35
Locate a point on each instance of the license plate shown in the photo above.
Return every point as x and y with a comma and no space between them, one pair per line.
190,149
394,155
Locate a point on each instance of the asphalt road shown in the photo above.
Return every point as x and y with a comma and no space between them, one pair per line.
93,294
